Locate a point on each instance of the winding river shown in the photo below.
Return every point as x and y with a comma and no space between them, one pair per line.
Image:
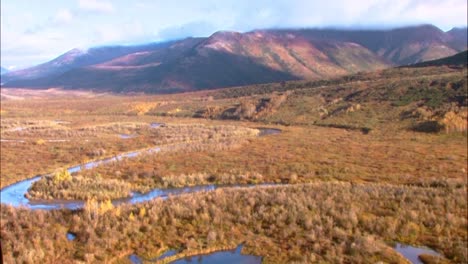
14,194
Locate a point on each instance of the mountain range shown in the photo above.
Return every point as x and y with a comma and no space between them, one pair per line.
227,59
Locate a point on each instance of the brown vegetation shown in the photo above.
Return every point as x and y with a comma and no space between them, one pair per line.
455,122
331,222
173,138
305,155
353,194
80,188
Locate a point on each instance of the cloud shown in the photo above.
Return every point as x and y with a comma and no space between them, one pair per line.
192,29
444,14
101,6
63,16
33,32
109,34
141,5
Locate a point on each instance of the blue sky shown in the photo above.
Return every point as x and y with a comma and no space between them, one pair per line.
35,31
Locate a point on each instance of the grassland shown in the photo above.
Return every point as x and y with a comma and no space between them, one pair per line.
364,161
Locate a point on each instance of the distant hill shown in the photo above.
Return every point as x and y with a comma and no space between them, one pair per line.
231,59
459,59
425,99
77,58
458,37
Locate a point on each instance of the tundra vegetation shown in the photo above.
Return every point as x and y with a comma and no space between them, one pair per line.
363,161
169,138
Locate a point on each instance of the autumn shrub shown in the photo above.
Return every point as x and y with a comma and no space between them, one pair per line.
61,176
328,222
455,122
80,188
176,138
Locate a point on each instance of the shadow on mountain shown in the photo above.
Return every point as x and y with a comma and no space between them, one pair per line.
227,59
459,59
193,71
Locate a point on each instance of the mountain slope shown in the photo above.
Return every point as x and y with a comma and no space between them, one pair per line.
183,74
77,58
231,59
224,59
400,46
459,59
458,37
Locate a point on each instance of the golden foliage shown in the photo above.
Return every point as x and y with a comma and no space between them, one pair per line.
144,107
61,176
40,142
142,212
105,206
455,122
131,217
95,208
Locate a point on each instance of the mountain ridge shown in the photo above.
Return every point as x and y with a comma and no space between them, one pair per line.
459,59
229,58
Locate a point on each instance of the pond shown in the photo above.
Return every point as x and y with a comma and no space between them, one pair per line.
126,136
135,259
71,236
265,131
412,253
226,257
156,125
18,129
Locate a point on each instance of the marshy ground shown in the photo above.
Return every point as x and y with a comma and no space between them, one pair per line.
356,172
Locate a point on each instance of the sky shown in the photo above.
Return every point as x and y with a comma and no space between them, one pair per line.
36,31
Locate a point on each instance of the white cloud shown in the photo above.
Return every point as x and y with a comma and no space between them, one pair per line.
63,16
140,5
102,6
444,14
41,32
126,33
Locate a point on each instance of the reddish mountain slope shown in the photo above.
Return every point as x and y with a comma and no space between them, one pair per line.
231,59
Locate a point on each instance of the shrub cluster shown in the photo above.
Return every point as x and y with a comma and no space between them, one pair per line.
322,222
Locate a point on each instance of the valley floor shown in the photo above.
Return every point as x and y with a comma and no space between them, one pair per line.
341,195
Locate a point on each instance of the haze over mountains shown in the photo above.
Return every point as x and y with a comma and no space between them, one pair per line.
3,70
231,59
